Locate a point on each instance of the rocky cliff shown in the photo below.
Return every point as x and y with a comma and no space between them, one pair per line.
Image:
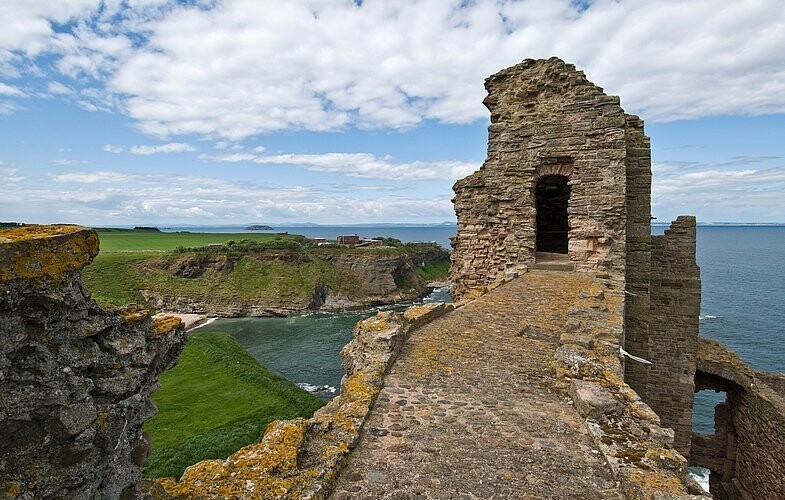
75,379
281,283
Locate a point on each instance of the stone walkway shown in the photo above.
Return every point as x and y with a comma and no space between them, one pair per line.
471,408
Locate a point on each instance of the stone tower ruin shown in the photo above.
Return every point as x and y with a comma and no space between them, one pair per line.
567,185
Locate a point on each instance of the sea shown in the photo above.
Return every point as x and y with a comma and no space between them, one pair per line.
743,306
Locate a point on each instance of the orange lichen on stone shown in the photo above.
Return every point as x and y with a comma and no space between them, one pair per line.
263,470
134,315
165,324
359,388
643,485
45,252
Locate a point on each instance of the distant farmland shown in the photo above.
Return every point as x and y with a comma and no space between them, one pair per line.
113,240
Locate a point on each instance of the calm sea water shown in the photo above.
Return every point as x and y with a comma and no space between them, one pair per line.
440,233
303,349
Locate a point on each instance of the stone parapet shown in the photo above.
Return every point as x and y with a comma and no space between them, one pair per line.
75,380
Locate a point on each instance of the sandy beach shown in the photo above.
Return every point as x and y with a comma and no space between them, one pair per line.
191,321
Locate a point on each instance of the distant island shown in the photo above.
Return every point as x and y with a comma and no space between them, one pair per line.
258,227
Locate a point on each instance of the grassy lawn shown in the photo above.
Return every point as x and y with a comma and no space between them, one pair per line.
434,271
113,240
215,401
113,279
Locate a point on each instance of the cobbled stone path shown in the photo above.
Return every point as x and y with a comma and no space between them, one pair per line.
471,408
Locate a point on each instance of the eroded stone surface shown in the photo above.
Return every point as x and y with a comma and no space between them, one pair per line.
472,408
75,380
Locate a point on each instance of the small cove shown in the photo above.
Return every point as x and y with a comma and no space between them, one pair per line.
304,349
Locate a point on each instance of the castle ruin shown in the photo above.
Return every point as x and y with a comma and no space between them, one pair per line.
555,271
567,185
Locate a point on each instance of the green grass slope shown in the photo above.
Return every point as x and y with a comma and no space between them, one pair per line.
113,240
216,400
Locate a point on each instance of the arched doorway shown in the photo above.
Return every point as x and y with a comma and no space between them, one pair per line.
552,194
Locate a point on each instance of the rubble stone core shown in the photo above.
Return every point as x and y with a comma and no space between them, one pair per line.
75,380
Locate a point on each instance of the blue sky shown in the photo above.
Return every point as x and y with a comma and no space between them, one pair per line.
227,112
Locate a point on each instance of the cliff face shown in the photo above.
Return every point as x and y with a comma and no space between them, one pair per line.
75,380
284,283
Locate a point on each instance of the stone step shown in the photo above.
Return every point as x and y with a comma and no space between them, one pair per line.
554,266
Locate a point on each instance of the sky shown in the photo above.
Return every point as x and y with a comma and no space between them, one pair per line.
141,112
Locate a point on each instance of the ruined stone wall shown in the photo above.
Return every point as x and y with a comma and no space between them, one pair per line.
546,118
673,328
638,271
759,420
75,380
301,458
746,453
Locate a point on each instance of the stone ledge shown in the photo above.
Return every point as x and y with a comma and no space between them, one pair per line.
76,379
721,361
301,458
45,252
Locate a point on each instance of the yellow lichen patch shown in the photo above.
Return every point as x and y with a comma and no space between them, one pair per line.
642,484
264,470
10,490
165,324
102,422
416,313
33,231
134,314
359,388
45,252
664,458
386,320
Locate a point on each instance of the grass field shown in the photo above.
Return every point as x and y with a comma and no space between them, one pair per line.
215,401
113,240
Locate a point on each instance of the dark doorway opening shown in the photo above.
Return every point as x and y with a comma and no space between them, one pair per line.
552,197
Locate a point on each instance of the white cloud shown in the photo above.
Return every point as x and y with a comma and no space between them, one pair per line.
171,147
66,162
27,24
58,88
713,194
363,165
112,197
9,176
239,68
92,177
8,90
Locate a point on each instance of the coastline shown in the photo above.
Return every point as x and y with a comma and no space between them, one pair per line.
192,321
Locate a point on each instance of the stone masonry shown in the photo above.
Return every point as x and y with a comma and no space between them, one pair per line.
746,453
75,380
673,329
547,119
